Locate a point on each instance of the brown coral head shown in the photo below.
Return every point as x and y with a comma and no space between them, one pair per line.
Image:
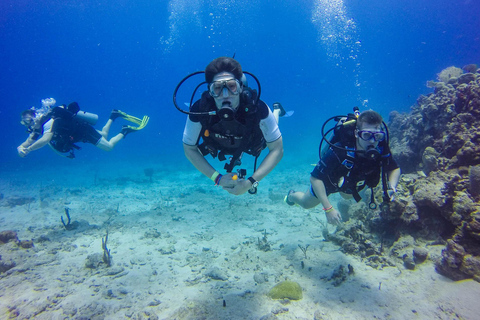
26,244
8,235
472,68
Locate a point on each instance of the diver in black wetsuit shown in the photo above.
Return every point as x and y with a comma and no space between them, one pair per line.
64,126
230,120
354,161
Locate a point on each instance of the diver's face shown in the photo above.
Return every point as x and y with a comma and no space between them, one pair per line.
369,136
28,120
225,88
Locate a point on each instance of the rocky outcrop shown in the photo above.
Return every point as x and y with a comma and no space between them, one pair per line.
445,122
441,137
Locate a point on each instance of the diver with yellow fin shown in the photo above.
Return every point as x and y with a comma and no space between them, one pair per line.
63,126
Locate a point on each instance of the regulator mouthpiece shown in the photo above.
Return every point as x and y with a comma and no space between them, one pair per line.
372,153
226,112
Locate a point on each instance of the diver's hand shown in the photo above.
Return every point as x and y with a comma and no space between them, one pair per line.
334,217
227,182
22,151
241,186
391,194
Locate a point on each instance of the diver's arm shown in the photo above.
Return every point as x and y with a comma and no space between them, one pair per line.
320,191
273,136
190,148
30,140
21,148
275,154
201,164
33,144
333,215
40,143
393,177
196,158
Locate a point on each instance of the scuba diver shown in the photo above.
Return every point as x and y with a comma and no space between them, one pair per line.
63,126
356,156
230,120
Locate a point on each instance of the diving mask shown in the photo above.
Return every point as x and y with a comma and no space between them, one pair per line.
27,121
216,87
369,135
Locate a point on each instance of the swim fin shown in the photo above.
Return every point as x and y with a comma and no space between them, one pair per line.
141,123
120,114
283,112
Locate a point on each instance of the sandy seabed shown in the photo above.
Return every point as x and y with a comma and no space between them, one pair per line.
184,249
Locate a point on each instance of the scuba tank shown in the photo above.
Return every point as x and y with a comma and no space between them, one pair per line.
87,117
79,115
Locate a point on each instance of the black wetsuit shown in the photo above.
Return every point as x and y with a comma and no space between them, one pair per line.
67,131
241,134
351,173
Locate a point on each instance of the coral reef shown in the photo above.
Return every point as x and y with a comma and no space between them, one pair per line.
340,274
263,243
69,226
107,257
448,73
437,146
7,235
442,138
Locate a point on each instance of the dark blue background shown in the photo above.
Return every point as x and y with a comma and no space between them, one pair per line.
131,54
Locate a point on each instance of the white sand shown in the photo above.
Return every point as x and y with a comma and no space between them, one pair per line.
168,236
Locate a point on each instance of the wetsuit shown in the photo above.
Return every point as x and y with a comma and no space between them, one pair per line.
350,173
67,130
252,127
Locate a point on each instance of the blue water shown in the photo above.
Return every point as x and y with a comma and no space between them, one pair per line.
317,57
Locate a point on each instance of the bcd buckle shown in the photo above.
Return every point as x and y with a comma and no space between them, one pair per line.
348,164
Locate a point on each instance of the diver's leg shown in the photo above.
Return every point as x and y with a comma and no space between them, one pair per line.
305,199
108,145
106,128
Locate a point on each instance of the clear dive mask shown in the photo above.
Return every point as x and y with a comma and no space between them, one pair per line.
366,135
27,121
223,86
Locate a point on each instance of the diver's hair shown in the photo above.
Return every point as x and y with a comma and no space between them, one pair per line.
369,117
223,64
29,112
